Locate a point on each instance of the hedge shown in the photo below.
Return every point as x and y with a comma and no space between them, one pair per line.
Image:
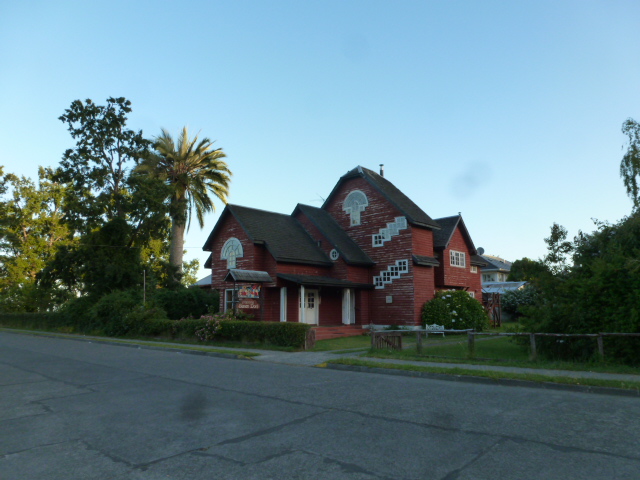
275,333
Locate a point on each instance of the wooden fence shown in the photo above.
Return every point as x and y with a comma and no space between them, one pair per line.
392,339
532,339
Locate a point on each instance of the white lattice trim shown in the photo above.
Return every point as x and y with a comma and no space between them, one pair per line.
391,273
392,229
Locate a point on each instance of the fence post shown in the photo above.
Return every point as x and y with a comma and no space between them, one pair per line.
600,346
419,341
372,333
472,344
532,341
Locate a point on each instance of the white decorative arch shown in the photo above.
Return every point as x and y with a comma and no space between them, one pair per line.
231,250
355,203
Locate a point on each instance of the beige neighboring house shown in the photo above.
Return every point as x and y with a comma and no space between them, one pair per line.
497,269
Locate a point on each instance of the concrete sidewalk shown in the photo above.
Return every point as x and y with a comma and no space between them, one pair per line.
316,358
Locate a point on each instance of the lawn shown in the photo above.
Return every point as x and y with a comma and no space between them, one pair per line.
492,351
363,342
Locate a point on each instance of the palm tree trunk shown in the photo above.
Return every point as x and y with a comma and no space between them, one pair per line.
176,249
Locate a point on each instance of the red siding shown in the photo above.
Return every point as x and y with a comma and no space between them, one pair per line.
406,294
379,212
450,276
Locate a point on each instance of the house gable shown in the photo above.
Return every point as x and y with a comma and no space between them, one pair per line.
459,262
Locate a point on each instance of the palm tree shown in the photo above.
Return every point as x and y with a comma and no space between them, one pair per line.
193,169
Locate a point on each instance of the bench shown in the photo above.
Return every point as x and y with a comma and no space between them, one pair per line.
435,329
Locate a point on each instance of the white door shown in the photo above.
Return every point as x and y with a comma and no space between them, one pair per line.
311,306
348,306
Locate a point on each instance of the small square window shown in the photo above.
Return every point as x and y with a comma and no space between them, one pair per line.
378,240
474,269
403,266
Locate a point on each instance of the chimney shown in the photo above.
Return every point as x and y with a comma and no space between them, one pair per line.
382,169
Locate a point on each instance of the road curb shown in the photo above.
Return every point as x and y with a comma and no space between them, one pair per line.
485,381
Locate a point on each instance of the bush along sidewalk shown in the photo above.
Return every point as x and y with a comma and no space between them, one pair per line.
137,323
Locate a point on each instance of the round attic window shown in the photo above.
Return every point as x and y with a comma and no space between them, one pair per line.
334,254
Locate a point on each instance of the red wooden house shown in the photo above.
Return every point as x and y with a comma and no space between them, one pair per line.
368,255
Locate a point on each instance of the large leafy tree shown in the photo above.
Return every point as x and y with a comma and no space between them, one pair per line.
111,210
31,232
105,153
630,165
194,171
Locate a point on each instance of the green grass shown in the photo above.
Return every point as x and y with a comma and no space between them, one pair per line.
530,377
496,351
182,344
363,342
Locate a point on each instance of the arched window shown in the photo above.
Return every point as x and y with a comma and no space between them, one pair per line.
355,203
231,250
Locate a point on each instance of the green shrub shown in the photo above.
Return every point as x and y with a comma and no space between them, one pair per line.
210,327
514,302
44,321
455,310
187,302
114,314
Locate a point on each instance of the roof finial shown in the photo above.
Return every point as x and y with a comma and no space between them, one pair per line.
382,169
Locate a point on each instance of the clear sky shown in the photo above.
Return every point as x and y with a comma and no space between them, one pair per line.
506,111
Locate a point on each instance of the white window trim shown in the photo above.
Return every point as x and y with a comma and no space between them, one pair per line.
474,269
231,251
457,259
228,305
355,203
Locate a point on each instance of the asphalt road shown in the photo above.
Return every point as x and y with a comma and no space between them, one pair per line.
80,410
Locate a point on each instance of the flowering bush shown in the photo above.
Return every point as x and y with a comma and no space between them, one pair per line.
455,310
210,328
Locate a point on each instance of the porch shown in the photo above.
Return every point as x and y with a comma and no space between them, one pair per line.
337,331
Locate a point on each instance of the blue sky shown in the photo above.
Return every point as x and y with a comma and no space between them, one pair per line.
509,112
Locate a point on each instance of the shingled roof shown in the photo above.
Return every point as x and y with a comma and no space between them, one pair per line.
442,237
346,247
496,264
415,215
283,236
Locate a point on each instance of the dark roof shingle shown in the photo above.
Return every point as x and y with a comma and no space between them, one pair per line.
340,240
282,235
415,215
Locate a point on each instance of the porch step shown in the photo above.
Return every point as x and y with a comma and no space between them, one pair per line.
338,331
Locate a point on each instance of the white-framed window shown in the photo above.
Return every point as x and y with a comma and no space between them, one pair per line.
403,266
228,299
486,277
472,294
395,271
386,276
378,240
377,282
474,269
231,250
355,203
401,222
458,259
334,255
